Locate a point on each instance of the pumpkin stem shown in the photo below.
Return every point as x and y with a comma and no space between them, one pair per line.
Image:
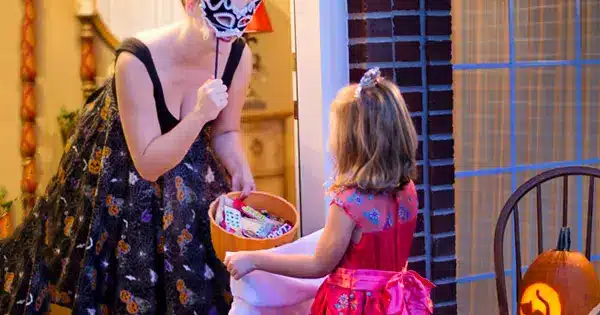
561,240
564,239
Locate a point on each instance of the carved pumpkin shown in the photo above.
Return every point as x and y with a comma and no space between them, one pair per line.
559,282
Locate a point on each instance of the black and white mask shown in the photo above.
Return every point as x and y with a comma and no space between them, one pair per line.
226,19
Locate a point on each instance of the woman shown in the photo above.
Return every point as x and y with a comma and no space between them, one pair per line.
123,226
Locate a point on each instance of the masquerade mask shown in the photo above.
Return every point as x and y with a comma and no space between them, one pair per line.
226,19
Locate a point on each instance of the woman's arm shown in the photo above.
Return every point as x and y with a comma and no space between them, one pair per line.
332,245
226,138
153,154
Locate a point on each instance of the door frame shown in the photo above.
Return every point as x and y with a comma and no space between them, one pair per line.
320,40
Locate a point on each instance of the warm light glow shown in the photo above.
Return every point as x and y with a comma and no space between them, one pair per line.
540,298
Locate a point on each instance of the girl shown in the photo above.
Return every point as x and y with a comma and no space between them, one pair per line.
366,241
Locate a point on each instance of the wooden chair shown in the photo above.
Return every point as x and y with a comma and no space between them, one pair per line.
511,206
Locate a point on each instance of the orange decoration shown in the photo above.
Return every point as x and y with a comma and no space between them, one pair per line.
88,65
28,110
28,182
28,105
4,225
87,68
260,21
559,282
28,140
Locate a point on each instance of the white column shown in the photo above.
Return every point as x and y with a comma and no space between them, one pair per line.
322,62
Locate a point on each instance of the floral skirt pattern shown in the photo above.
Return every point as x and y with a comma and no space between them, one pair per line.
103,240
373,292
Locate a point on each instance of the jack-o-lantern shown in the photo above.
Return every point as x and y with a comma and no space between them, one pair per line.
559,282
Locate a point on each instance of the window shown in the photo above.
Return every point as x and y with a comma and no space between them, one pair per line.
527,92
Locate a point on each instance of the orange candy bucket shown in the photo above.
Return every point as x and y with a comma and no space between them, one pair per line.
224,241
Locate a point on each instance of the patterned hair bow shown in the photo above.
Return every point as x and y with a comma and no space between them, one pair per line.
368,80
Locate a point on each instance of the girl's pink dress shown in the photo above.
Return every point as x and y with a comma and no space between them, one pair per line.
372,277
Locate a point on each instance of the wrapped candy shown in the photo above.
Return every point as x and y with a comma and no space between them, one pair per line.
237,218
272,217
255,214
219,212
233,218
280,231
247,210
256,228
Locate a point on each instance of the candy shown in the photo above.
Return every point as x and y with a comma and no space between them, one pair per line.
280,231
256,228
238,204
248,234
233,218
223,202
251,213
273,218
254,214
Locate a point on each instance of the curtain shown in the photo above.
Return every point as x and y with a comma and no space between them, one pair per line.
499,146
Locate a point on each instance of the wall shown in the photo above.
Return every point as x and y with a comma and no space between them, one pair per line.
410,41
275,87
10,94
57,85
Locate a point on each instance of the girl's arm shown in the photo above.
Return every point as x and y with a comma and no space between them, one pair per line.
332,245
153,153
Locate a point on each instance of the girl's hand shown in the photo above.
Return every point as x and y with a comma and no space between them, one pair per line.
239,264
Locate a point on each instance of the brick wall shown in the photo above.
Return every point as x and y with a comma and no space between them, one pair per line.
410,41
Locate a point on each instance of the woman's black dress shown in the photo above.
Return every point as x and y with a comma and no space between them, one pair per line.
102,239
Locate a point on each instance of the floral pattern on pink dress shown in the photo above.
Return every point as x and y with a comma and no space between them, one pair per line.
372,277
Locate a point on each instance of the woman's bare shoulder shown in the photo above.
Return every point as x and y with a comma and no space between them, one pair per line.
132,81
129,67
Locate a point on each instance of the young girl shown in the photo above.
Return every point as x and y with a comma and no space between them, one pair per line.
372,218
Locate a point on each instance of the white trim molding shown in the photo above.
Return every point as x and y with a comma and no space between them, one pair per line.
321,35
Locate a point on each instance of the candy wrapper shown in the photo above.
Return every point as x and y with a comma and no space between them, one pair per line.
256,229
220,209
272,217
240,219
280,231
255,214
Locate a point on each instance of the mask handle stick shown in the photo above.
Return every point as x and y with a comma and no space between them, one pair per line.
217,59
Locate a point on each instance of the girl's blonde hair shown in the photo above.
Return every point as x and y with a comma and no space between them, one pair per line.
374,141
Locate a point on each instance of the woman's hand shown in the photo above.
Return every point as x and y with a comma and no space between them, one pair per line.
212,98
240,264
243,181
